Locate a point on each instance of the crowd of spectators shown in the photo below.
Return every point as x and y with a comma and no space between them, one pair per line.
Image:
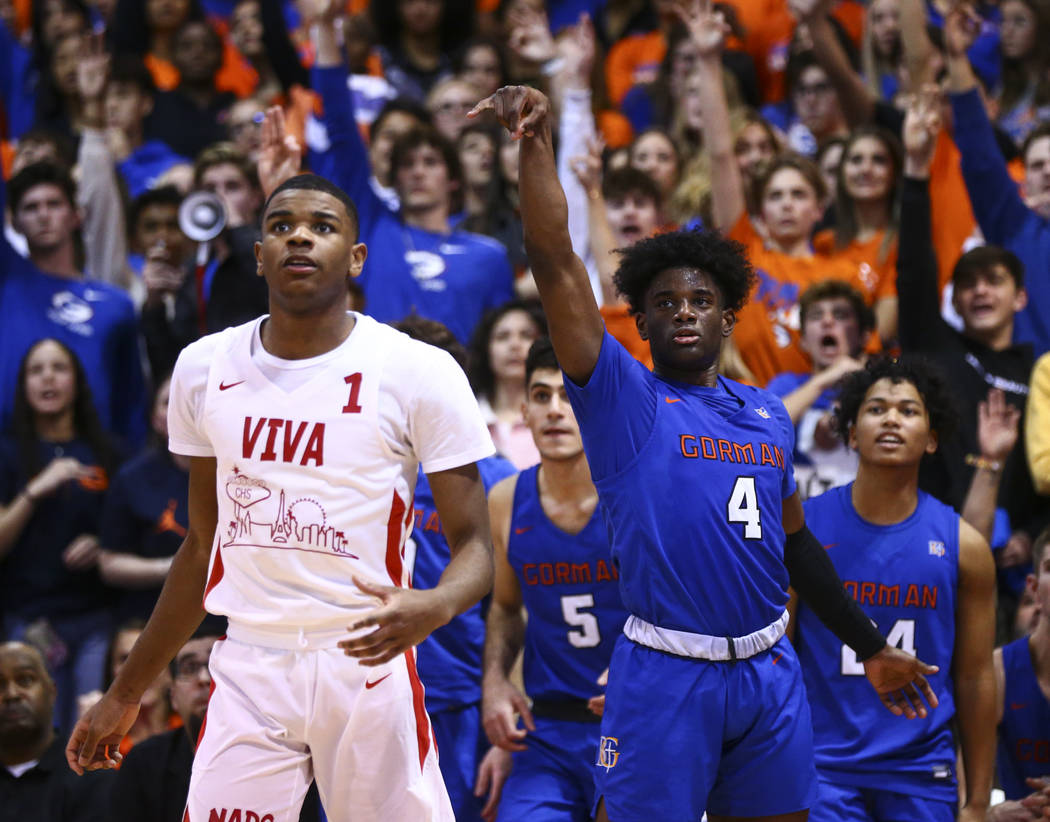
886,165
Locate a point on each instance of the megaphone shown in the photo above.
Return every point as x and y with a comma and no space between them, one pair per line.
202,216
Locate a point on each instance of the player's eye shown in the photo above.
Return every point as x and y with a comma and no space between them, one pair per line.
279,226
323,228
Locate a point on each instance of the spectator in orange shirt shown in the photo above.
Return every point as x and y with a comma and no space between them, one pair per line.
259,33
866,216
790,194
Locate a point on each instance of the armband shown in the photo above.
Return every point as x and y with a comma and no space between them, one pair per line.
818,585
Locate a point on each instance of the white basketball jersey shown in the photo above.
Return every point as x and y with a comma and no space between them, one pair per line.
316,483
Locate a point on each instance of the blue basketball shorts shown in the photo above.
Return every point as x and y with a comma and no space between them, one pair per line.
461,744
553,780
683,736
846,803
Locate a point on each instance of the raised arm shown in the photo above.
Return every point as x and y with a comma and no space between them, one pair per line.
996,435
856,99
708,30
576,327
973,672
504,634
93,743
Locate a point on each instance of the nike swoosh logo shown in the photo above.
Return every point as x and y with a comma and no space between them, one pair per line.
224,386
776,659
669,400
1016,706
373,684
522,530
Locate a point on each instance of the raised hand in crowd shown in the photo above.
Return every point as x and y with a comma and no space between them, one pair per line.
922,124
280,155
997,423
577,48
961,27
92,76
588,167
530,35
707,26
804,10
319,11
161,276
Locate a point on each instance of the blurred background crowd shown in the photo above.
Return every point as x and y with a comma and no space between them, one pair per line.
886,164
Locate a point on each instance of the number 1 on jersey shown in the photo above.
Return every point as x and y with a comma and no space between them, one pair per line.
743,507
352,406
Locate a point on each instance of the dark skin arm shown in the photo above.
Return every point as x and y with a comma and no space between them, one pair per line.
407,616
897,677
576,327
93,743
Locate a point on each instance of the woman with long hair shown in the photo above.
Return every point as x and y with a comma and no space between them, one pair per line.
882,55
867,214
1024,94
501,343
54,472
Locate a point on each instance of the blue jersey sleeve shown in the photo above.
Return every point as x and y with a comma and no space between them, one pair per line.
615,409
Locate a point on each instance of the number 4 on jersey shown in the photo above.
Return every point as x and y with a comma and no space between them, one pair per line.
901,635
743,507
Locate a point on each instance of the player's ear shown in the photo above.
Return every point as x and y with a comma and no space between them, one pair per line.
258,259
358,254
728,321
931,442
640,324
851,437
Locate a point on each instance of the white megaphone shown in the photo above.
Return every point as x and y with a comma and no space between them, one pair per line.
202,217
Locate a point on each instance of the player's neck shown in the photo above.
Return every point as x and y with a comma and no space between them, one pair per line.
885,496
291,337
706,376
566,480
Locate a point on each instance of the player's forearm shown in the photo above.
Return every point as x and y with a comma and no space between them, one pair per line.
467,577
13,520
802,398
504,639
975,707
915,44
603,246
727,186
854,96
544,211
130,571
979,506
177,614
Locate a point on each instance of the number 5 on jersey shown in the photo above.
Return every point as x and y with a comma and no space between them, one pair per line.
584,633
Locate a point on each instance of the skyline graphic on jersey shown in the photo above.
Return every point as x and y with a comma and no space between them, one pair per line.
299,525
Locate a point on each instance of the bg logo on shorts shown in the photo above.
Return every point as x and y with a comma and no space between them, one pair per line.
607,752
237,815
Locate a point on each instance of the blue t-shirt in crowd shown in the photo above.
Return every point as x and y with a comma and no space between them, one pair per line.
691,481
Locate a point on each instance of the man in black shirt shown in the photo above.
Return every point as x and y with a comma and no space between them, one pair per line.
35,781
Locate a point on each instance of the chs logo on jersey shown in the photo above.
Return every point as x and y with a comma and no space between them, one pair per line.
937,548
608,753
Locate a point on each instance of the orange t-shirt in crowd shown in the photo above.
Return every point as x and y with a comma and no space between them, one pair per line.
235,75
619,322
952,224
767,326
876,268
634,59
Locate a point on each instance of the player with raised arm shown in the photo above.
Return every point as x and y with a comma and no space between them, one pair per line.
926,577
552,557
305,429
693,473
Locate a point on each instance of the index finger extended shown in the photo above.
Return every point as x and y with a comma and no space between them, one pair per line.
488,104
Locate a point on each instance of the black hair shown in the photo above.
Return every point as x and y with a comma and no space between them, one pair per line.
278,47
167,195
130,624
932,385
984,258
130,70
433,333
454,27
312,182
620,183
419,136
129,31
541,355
64,146
44,172
403,105
482,41
482,378
212,626
722,259
835,289
86,424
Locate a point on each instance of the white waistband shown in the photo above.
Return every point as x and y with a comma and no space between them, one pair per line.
287,640
701,646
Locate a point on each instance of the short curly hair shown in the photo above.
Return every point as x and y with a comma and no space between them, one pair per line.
722,259
929,381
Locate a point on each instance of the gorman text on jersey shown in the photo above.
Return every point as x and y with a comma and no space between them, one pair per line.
711,448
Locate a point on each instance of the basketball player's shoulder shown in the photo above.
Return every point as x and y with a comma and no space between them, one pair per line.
200,353
408,358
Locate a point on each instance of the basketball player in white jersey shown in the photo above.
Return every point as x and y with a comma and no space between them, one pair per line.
305,429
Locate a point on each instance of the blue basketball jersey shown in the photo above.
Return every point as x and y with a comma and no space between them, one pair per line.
691,482
569,588
449,660
905,577
1024,733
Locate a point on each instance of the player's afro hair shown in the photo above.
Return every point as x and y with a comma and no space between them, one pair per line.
721,259
937,396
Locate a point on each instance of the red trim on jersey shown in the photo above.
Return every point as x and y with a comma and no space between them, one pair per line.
186,815
395,565
216,572
419,706
204,724
409,516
